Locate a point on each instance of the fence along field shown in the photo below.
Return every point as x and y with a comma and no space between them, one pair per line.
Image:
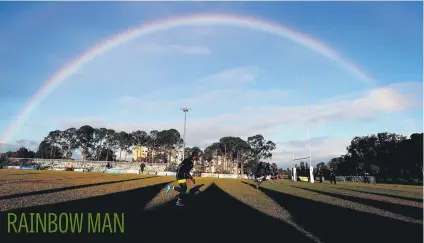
160,169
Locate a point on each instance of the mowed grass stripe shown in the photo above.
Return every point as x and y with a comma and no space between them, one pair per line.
80,193
406,190
412,193
345,191
45,180
261,202
389,188
289,189
407,196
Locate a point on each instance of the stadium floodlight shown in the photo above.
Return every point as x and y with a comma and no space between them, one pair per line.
185,110
311,168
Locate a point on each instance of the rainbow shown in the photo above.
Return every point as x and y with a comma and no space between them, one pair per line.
148,28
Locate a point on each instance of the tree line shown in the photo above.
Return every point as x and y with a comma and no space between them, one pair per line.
388,156
101,144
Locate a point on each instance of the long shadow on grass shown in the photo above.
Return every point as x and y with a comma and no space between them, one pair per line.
358,186
413,212
384,194
211,216
337,224
25,194
6,174
47,180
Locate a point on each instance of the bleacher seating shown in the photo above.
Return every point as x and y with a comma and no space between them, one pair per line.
93,166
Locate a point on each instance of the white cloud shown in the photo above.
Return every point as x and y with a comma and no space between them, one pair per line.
65,123
267,120
239,75
29,144
181,49
216,98
322,149
225,88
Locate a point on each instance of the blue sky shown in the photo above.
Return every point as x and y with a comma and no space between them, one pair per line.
237,81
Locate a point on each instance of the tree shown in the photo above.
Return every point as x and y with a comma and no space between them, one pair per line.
385,155
321,165
129,144
235,149
187,152
274,169
167,140
140,138
410,152
107,155
111,143
125,142
152,144
228,147
212,152
24,153
200,165
99,139
10,154
260,149
69,142
303,169
85,138
242,152
53,138
45,150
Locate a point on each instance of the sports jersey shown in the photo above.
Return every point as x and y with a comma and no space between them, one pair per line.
184,168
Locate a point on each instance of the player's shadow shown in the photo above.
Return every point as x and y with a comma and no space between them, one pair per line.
383,194
210,216
337,224
194,191
413,212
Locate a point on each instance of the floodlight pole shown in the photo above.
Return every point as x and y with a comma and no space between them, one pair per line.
185,110
294,167
311,168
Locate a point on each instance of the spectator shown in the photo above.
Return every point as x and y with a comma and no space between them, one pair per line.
142,165
366,179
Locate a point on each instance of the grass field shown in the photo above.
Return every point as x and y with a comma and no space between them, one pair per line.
225,210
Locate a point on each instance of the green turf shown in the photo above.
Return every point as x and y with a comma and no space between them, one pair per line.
224,210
